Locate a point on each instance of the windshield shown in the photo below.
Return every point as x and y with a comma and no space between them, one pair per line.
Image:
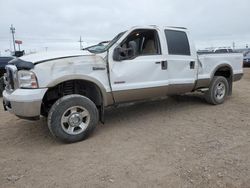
246,53
104,46
97,48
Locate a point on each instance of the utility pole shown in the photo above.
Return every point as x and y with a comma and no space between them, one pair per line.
80,41
234,45
12,30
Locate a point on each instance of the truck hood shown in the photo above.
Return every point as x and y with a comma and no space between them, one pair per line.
46,56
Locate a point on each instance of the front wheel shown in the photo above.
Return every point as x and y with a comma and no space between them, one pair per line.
73,118
218,90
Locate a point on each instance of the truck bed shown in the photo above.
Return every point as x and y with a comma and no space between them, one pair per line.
210,62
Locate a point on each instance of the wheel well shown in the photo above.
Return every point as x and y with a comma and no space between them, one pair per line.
81,87
223,71
2,71
226,72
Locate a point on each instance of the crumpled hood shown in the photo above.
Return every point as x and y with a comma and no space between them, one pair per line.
46,56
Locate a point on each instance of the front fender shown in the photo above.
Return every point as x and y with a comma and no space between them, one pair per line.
107,99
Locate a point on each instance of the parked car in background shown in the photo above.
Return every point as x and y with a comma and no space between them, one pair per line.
204,51
3,62
246,59
220,50
223,50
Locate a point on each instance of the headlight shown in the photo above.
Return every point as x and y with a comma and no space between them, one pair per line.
27,79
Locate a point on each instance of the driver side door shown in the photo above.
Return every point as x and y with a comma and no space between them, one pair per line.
143,76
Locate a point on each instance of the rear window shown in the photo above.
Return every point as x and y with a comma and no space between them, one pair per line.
177,42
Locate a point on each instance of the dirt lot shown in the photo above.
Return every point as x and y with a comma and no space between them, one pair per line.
177,142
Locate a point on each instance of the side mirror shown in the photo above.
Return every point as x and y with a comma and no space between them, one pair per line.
117,55
125,53
132,46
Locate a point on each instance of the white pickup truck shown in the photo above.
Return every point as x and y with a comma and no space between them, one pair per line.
73,89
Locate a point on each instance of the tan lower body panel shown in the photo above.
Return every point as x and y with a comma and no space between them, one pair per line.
202,83
154,92
180,88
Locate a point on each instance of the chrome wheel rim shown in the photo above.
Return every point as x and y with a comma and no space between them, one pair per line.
75,120
220,91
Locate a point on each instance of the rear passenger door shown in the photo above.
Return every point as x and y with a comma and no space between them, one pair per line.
182,62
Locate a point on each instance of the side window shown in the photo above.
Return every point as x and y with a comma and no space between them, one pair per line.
178,43
146,40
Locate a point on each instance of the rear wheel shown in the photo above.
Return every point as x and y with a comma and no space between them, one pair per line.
218,90
73,118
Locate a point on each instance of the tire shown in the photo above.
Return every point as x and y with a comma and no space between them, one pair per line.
72,118
218,90
1,86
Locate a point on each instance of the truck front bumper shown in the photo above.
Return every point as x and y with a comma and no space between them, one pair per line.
24,103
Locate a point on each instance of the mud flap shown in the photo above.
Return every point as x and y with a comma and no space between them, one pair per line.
4,106
230,90
102,114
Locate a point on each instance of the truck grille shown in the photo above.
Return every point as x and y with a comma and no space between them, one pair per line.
10,78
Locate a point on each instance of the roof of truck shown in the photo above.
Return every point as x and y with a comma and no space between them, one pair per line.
175,27
160,26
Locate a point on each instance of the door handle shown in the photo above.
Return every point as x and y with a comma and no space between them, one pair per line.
192,64
164,65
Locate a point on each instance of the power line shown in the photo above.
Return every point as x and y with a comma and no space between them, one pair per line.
12,29
80,41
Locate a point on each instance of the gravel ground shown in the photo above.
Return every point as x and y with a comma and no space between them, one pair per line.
176,142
